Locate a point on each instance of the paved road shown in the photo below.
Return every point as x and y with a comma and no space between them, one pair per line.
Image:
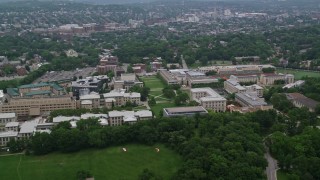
272,168
184,64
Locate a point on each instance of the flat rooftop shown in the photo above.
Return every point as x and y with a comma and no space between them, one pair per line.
191,109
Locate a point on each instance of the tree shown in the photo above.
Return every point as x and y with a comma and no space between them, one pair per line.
152,101
16,145
268,70
181,99
211,73
129,69
42,143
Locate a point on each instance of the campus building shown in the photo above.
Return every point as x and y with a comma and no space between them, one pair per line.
90,84
195,77
36,99
184,111
107,63
117,118
209,99
245,78
235,69
90,101
120,98
299,100
169,78
233,86
6,118
252,100
270,79
126,81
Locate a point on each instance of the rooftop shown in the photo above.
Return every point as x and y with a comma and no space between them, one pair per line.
7,115
8,134
28,126
34,93
65,118
310,103
191,109
252,99
12,124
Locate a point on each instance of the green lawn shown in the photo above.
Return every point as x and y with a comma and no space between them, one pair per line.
110,163
298,74
156,86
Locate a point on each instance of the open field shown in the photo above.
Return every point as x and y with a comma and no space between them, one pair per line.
298,74
156,86
109,163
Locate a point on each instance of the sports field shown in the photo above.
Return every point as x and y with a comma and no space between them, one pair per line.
298,74
109,163
156,86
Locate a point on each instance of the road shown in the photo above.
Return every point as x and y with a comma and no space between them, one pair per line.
184,64
272,168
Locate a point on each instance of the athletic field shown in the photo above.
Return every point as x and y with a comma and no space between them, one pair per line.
110,163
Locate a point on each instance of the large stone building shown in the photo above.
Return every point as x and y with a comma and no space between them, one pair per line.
91,84
233,86
117,118
120,98
235,69
126,81
245,78
36,99
252,100
299,100
209,99
107,63
270,79
169,78
194,77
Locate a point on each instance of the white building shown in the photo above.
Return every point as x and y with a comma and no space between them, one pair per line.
121,97
6,118
209,99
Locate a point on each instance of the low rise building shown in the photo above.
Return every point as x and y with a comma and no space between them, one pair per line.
120,97
90,101
92,84
252,100
195,77
209,99
7,136
102,118
270,79
12,126
169,78
184,111
126,81
245,78
27,129
6,118
299,100
233,86
117,118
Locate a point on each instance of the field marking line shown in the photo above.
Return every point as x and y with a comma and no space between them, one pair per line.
19,167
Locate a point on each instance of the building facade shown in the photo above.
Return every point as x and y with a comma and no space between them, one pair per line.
209,99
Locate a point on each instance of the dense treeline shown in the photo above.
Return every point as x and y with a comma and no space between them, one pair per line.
298,155
298,44
222,146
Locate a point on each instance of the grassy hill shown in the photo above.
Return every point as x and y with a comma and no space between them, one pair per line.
110,163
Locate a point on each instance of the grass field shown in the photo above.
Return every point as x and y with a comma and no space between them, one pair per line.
110,163
156,86
298,74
